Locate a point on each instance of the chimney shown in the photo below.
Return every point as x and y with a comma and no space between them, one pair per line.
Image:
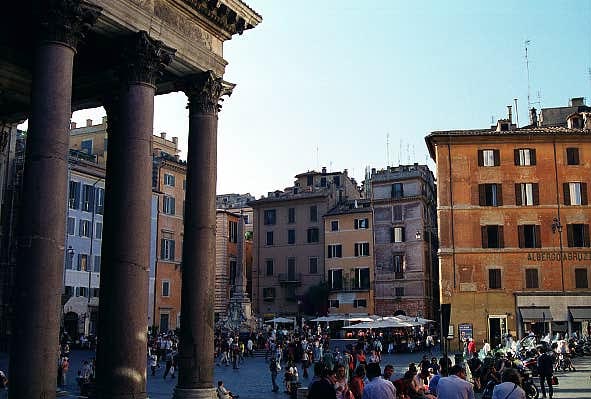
345,171
509,114
373,171
577,102
324,170
533,117
72,125
88,122
104,119
175,140
163,135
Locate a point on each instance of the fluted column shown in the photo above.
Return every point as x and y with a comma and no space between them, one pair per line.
122,328
195,378
42,213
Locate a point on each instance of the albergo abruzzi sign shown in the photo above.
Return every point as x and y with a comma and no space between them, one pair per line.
554,256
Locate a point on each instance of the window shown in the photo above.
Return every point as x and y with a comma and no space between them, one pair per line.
83,262
361,223
86,146
398,265
269,238
291,215
525,156
269,263
333,303
106,144
578,235
84,228
492,236
399,291
74,197
335,279
334,225
313,265
494,279
572,156
168,205
97,264
336,180
69,291
490,194
531,278
360,303
397,234
165,288
98,233
269,216
323,181
361,278
291,269
397,210
69,259
575,193
313,235
71,226
185,184
81,291
100,200
233,231
361,249
529,236
291,236
269,294
527,194
168,180
233,266
335,251
309,180
87,198
313,213
581,279
94,292
164,319
397,190
489,158
167,249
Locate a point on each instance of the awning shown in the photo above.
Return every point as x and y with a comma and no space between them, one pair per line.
536,314
580,314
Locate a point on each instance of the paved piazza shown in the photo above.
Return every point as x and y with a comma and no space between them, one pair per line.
253,381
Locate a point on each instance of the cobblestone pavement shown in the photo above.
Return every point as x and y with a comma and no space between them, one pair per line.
252,380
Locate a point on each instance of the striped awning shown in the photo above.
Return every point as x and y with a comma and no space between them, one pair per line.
536,314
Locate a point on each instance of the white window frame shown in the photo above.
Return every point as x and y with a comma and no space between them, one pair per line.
361,248
169,180
168,205
524,157
332,249
575,191
527,194
72,224
398,234
488,157
167,246
84,227
162,293
331,279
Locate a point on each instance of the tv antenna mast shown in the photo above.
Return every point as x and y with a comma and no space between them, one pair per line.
526,44
388,149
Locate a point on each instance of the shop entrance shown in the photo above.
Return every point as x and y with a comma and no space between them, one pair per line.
497,329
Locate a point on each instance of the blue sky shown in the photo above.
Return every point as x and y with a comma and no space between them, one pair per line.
322,83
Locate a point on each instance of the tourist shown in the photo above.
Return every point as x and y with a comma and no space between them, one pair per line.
223,393
377,388
510,388
455,386
357,382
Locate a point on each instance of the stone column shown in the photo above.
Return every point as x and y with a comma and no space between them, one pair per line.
195,379
122,327
42,213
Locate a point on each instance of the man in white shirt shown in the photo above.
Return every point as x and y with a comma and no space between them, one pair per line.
377,387
455,386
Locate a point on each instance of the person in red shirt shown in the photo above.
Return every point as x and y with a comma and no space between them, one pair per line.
356,385
471,347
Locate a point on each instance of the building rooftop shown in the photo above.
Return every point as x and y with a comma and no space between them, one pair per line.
350,206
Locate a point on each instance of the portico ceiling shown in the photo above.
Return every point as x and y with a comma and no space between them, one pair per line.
196,29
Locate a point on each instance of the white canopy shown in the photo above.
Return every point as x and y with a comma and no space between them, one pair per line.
384,322
280,320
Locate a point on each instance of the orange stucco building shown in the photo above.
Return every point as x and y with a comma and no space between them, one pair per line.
513,219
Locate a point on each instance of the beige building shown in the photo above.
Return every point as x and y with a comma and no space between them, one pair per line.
288,246
349,271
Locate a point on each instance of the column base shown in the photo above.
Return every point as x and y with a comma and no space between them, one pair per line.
194,393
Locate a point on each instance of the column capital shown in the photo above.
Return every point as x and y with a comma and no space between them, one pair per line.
205,91
67,21
144,59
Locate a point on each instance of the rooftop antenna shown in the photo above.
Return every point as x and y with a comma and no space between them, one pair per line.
492,119
400,153
413,154
516,113
526,44
317,159
388,149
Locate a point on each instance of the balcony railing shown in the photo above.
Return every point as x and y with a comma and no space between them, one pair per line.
349,286
290,278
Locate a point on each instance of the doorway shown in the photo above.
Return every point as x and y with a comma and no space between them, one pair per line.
497,329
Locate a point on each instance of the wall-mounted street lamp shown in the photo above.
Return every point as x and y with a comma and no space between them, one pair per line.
418,235
557,227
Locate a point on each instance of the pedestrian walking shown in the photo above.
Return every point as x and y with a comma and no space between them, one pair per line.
153,363
546,370
168,364
274,368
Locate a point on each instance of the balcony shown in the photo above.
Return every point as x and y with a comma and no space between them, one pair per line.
349,286
290,278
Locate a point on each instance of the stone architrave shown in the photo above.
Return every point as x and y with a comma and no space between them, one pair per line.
195,379
122,334
42,214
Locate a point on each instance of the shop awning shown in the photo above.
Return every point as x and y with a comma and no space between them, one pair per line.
580,314
536,314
